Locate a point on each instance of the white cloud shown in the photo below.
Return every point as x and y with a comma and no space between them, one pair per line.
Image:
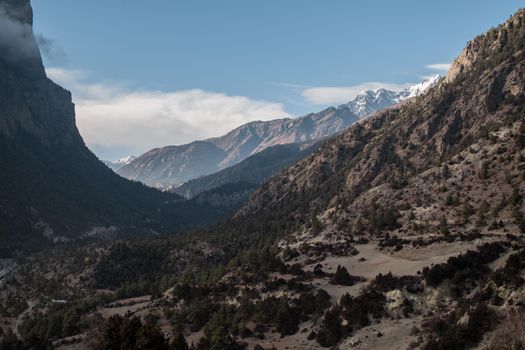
343,94
111,116
443,67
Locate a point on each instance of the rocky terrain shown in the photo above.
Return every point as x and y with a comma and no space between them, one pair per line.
405,231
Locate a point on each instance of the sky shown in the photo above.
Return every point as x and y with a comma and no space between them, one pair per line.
148,74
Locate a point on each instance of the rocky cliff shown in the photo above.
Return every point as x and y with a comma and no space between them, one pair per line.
53,188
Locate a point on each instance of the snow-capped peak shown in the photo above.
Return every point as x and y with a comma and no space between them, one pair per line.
371,101
418,89
126,160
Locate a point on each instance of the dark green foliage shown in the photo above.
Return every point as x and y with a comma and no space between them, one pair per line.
356,310
450,334
59,321
179,342
382,218
521,224
471,263
342,277
127,263
521,136
11,342
388,282
443,225
484,171
310,303
121,333
218,334
482,214
516,199
510,274
331,330
259,261
289,254
287,319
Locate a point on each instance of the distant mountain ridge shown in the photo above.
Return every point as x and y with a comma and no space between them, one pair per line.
371,101
174,165
253,170
117,164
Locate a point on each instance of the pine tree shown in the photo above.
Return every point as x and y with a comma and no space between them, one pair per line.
342,277
286,320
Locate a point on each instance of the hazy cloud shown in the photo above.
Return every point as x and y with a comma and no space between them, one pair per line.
111,116
442,67
16,38
330,95
51,49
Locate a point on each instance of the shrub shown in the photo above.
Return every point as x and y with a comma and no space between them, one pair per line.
342,277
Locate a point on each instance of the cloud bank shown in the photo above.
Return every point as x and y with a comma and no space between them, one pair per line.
442,67
330,95
16,38
110,116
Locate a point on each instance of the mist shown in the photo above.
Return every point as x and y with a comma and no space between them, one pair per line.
17,42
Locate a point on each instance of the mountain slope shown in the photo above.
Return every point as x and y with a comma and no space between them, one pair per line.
53,188
371,101
397,158
173,165
405,231
116,165
255,169
161,166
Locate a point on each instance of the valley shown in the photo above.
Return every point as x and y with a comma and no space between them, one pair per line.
394,221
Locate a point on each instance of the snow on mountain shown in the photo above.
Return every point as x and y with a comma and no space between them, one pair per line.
371,101
117,164
418,89
126,160
174,165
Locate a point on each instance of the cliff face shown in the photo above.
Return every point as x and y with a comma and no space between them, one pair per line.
53,188
496,42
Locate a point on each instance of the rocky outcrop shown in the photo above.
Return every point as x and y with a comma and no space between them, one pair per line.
496,42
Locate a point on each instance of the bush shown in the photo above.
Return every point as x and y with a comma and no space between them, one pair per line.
472,262
342,277
449,333
130,334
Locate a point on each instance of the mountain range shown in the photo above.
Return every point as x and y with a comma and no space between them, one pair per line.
119,163
172,166
406,230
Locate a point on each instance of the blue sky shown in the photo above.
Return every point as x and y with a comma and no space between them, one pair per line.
213,65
